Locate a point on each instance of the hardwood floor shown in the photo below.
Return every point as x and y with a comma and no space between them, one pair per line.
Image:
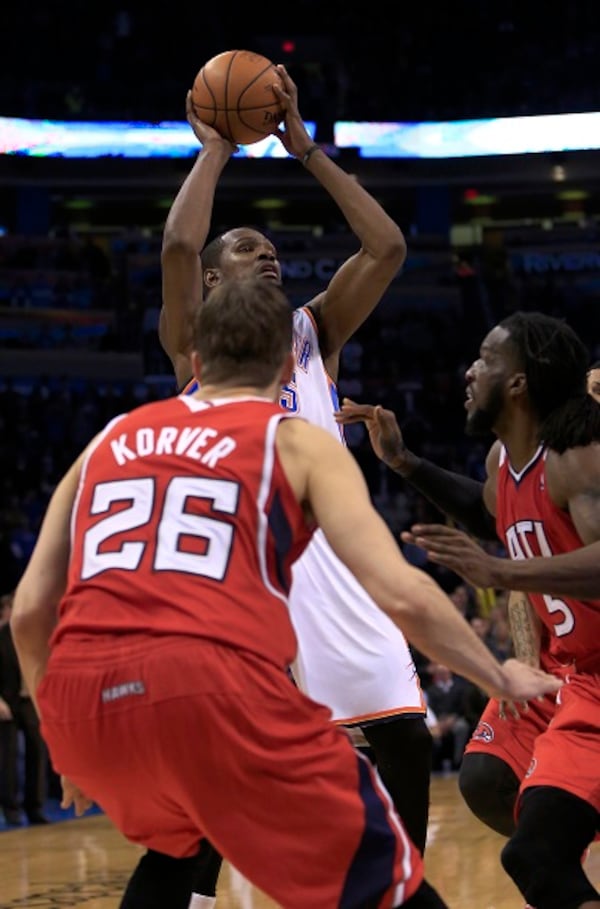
86,863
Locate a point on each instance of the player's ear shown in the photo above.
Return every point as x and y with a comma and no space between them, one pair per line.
196,365
517,384
212,277
287,370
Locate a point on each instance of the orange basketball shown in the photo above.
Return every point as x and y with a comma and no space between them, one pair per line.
233,92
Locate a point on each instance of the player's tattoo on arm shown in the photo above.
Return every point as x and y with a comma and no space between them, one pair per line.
525,628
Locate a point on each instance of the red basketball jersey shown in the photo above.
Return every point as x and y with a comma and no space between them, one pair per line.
184,523
532,525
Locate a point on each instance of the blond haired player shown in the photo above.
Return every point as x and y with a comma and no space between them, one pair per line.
153,631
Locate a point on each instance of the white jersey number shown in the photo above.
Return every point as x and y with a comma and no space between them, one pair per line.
519,538
177,522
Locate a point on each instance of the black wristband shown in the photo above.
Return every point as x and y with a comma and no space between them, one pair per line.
309,151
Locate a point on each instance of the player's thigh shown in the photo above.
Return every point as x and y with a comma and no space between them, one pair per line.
285,791
567,755
509,738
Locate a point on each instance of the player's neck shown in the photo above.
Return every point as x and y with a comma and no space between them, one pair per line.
521,441
209,392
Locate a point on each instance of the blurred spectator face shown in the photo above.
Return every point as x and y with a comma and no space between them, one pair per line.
501,607
593,382
480,626
460,598
440,673
501,631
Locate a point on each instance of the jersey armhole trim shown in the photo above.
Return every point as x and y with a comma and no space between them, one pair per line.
306,308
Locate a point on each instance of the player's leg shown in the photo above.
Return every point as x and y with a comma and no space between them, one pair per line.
206,873
158,881
490,788
424,898
320,829
402,748
496,759
543,857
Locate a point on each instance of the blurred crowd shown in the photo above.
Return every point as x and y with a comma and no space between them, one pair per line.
350,63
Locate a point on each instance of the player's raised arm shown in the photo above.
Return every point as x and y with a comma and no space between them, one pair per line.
358,285
327,478
184,236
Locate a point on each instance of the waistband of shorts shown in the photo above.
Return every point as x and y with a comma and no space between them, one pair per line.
100,649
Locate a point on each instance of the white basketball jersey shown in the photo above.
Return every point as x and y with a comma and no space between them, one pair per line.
351,656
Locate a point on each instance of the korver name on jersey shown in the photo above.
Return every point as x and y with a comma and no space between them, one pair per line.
202,444
527,540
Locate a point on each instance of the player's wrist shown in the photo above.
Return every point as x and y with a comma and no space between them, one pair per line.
308,153
404,462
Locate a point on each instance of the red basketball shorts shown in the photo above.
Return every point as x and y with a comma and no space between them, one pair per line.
180,738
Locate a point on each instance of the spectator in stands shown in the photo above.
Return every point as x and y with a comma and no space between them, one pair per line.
499,639
445,696
17,714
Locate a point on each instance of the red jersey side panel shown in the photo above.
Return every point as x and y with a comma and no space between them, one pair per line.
177,498
531,525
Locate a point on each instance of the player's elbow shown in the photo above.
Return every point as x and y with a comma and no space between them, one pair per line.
21,618
175,246
393,250
410,597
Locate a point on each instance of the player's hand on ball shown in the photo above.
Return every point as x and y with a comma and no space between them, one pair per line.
203,132
294,137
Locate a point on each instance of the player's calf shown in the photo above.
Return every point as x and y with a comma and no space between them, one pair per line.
543,857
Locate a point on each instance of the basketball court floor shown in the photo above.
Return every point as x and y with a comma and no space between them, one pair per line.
84,863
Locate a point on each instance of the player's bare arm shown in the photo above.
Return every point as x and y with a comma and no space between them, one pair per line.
38,594
184,236
574,486
357,287
525,628
330,481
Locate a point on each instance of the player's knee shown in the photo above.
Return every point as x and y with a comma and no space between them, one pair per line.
489,787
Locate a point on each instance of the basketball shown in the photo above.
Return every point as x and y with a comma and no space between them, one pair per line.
233,92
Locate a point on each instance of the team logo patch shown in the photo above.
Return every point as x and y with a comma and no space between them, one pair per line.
531,768
483,733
